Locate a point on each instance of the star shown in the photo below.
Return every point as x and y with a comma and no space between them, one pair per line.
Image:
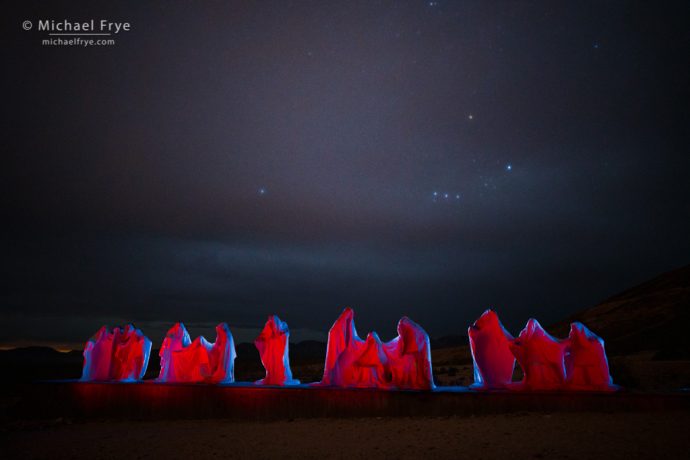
262,191
470,117
509,167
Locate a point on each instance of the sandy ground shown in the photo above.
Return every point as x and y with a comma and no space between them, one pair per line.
514,436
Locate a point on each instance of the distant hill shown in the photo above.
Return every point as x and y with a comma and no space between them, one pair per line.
651,317
38,355
40,363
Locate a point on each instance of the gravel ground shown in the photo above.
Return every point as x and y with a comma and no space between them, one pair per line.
515,436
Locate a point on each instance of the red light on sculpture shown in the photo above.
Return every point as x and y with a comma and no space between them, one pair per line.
490,346
540,356
409,355
273,346
404,362
576,363
198,361
121,355
585,361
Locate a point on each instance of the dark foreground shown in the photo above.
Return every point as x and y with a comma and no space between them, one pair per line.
245,401
519,435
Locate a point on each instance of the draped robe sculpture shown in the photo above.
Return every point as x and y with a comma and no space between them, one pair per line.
199,361
119,355
491,354
541,358
586,366
404,362
273,346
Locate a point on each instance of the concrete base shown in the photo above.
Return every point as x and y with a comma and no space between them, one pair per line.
148,400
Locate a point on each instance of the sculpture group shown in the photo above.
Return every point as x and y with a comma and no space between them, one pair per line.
402,363
575,363
199,361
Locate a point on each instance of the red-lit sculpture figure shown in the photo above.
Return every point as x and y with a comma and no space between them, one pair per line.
586,366
409,356
404,362
98,356
176,339
351,361
490,346
120,355
199,361
541,358
273,344
131,354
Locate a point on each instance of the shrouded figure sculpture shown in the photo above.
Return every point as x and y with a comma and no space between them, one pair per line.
409,355
177,338
121,355
273,344
199,361
363,365
490,346
541,358
340,337
351,361
586,366
98,356
131,354
404,362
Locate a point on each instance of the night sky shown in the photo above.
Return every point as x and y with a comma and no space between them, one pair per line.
226,161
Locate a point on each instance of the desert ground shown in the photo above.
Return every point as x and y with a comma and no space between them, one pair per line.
516,436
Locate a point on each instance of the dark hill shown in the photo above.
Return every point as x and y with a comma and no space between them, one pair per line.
651,317
37,363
